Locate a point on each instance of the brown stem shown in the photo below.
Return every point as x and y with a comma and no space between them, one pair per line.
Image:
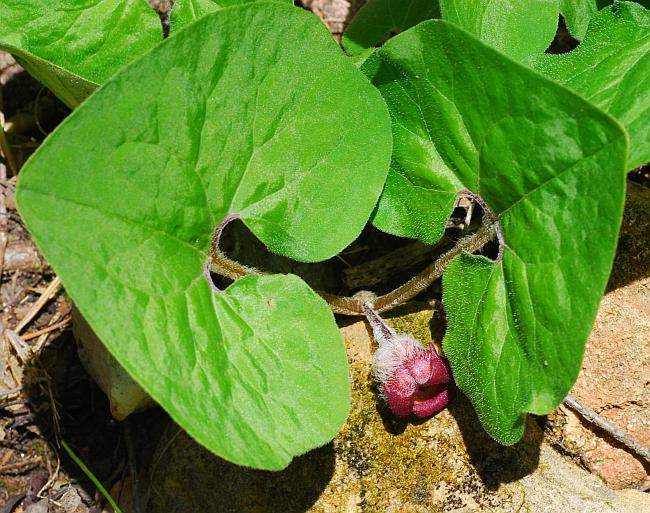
220,263
616,432
434,271
410,289
380,329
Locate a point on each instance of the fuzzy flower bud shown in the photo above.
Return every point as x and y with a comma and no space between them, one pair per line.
414,379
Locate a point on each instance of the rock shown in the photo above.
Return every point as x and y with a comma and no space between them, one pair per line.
380,463
614,380
335,13
38,507
70,502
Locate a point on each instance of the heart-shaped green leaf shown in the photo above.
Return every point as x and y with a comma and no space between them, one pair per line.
123,199
378,19
71,46
611,68
549,165
188,11
518,28
577,14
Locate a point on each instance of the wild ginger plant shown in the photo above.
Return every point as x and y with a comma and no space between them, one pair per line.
253,113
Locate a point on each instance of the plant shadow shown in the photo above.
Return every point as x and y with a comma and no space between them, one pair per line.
496,463
176,474
186,478
632,261
67,405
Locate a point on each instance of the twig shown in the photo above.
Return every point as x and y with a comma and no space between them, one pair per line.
56,416
50,328
128,439
52,479
15,402
90,476
4,232
218,262
45,297
620,435
22,349
38,345
20,467
5,393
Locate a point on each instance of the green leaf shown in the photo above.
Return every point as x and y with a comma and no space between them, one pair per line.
362,57
549,165
577,14
611,68
378,19
72,46
185,12
518,28
71,89
124,196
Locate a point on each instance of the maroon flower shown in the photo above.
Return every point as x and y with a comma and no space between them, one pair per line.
414,379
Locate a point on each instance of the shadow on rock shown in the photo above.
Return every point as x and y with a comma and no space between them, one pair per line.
496,463
186,478
632,260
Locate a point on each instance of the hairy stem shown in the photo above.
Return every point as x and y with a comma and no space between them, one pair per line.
380,329
354,305
434,271
218,262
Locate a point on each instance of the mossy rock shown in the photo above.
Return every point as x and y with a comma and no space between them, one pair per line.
378,463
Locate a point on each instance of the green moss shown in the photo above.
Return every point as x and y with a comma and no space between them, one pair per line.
40,449
411,465
422,320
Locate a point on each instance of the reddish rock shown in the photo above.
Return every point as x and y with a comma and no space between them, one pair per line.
615,376
335,13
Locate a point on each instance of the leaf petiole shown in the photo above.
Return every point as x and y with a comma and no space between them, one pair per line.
219,263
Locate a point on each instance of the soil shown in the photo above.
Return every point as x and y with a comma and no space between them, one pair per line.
48,397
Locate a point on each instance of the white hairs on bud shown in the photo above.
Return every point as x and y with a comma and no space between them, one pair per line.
392,353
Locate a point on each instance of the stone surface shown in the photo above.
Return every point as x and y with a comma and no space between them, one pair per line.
615,376
615,382
379,463
632,260
70,502
38,507
336,14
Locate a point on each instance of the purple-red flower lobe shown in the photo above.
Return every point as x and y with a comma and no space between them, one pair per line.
414,379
